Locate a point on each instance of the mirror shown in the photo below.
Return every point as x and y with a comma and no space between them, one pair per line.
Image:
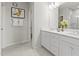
70,12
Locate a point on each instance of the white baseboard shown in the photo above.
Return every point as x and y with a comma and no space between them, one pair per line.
0,52
14,42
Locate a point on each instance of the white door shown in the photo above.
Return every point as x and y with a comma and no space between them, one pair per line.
65,49
45,39
13,34
54,44
6,34
0,29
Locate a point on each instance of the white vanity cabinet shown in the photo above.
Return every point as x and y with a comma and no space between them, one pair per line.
59,44
68,46
54,44
50,42
65,49
68,49
45,39
75,51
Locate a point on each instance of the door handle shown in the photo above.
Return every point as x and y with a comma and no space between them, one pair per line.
1,28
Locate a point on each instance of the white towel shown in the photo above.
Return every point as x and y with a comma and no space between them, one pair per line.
18,22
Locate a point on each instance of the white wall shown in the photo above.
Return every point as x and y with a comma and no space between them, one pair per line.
41,20
53,18
11,34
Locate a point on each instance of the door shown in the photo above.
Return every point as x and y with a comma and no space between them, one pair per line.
45,39
54,44
7,32
14,34
65,49
75,50
0,28
11,34
30,23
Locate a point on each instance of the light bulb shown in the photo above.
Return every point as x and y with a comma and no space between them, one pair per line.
53,5
50,6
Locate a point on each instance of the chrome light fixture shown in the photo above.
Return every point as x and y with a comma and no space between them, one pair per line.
55,4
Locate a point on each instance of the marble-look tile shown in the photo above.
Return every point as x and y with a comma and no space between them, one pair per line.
25,50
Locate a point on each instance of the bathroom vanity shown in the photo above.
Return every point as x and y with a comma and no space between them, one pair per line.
60,43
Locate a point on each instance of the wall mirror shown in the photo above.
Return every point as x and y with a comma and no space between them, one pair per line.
70,12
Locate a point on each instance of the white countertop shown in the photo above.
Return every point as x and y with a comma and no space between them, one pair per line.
66,33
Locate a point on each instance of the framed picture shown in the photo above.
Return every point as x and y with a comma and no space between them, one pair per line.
17,13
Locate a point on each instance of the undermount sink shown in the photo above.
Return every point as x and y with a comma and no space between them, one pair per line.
71,32
74,33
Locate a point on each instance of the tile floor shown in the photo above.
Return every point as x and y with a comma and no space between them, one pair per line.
25,50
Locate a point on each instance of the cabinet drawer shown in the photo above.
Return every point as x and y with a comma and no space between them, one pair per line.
70,40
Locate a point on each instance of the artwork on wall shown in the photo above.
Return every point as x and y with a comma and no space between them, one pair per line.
17,13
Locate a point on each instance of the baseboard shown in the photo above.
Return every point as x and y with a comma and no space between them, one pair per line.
0,52
14,43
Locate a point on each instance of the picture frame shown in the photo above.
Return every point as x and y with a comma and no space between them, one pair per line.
17,13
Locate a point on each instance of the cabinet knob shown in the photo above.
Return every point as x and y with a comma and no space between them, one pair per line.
72,48
1,28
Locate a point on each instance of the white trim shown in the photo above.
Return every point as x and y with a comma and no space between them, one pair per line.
14,43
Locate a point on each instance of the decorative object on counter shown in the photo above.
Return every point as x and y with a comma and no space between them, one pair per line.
17,13
58,29
62,24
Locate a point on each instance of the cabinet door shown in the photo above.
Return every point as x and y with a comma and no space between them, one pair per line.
54,44
45,39
65,49
75,51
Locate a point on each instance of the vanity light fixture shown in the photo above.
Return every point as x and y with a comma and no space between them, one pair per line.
50,6
55,4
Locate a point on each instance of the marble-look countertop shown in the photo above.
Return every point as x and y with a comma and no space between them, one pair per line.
66,33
